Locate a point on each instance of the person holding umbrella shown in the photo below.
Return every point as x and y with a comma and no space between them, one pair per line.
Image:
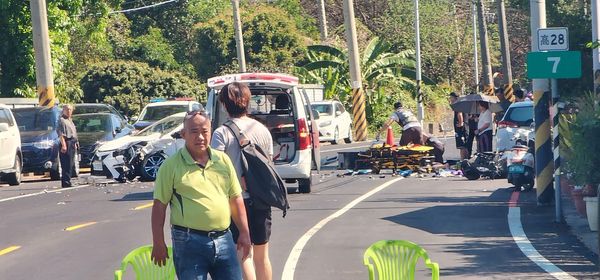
484,128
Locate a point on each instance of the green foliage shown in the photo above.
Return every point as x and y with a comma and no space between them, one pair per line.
381,70
154,49
128,86
271,40
581,144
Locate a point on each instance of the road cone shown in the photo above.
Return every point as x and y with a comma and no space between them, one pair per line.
389,140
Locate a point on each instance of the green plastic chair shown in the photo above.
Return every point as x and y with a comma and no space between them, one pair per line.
144,268
396,260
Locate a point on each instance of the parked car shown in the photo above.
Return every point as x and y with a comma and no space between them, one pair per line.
140,154
515,125
334,121
285,110
11,159
95,129
159,109
40,144
89,108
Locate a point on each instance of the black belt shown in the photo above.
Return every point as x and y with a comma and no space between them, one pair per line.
211,234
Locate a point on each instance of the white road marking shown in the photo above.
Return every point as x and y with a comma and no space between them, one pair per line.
292,260
516,230
43,192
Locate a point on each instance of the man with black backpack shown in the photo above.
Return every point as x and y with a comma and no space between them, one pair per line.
249,144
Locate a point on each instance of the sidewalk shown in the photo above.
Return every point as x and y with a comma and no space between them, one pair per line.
579,225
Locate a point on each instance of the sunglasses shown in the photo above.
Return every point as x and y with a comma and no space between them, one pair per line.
200,112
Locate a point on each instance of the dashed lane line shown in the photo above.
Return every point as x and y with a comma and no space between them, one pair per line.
518,234
292,260
43,192
9,249
72,228
143,206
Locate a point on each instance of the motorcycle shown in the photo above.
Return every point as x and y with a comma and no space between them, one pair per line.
521,172
484,164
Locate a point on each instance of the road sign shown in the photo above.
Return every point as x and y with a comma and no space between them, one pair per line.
553,39
554,65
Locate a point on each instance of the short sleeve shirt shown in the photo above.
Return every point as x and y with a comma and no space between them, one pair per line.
198,197
405,118
66,128
485,117
224,140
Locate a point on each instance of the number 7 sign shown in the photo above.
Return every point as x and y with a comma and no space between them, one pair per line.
554,65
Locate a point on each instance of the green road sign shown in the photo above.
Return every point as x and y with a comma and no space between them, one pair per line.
554,65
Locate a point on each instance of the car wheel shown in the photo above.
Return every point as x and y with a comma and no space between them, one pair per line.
349,139
150,166
336,136
55,170
14,179
304,185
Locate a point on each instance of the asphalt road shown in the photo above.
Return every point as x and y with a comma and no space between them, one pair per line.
462,224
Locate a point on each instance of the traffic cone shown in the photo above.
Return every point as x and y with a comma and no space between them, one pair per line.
389,140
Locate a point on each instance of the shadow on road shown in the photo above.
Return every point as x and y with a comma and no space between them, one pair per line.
136,196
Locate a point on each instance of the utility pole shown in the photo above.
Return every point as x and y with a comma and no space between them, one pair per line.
239,40
596,67
475,55
420,109
322,21
488,86
541,97
358,98
41,47
505,48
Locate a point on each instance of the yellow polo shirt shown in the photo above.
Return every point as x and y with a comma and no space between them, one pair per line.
199,197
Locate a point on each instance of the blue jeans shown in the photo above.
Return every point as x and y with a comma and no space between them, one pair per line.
195,256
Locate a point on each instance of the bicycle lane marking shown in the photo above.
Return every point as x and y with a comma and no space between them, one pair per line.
519,236
292,260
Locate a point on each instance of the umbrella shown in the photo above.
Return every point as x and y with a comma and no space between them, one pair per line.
468,103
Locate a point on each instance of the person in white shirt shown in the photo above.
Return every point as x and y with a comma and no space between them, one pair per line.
484,128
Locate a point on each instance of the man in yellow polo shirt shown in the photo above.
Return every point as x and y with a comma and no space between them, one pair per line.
201,186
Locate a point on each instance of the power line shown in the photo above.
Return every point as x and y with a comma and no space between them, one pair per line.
144,7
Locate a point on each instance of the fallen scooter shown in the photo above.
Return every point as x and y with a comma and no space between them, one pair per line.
484,164
521,172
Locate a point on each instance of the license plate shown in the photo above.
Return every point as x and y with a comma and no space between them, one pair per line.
97,165
516,169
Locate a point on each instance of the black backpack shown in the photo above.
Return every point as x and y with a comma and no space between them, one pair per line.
262,182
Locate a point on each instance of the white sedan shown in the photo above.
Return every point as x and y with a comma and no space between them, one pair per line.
334,121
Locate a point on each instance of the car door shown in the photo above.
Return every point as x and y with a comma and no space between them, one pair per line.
314,130
8,142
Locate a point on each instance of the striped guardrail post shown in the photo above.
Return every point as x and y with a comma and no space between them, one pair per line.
358,113
543,148
508,93
556,149
488,89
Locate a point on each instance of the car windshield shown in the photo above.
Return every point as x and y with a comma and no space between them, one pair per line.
88,109
521,116
35,119
323,109
158,112
163,126
92,123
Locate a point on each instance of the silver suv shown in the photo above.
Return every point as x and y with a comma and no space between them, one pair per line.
284,108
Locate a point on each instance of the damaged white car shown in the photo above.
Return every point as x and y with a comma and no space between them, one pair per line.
141,154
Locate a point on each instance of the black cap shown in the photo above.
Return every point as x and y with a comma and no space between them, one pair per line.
397,105
453,94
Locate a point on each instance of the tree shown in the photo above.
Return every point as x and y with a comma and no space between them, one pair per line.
380,69
272,42
129,85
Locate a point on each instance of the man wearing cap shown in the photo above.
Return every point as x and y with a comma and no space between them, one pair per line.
411,127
